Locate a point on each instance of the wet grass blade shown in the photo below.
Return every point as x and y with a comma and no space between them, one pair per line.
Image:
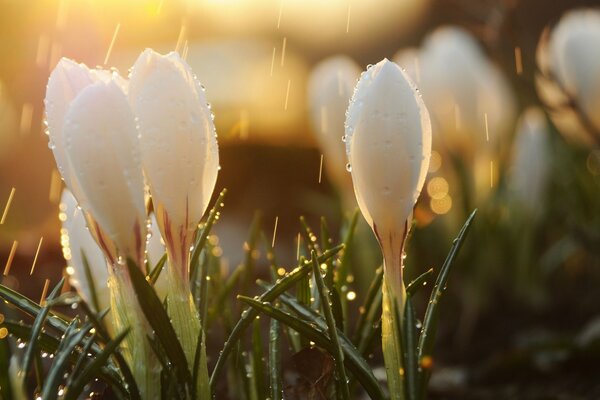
90,281
419,282
332,329
30,307
249,314
61,360
6,391
409,348
342,270
156,271
313,329
37,326
374,288
275,368
158,319
200,368
258,362
92,369
50,344
213,215
428,331
96,320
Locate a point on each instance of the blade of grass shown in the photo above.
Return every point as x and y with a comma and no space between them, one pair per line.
30,307
213,215
37,326
200,369
258,361
374,288
428,331
158,319
409,348
327,305
275,368
92,369
249,314
419,282
90,281
355,363
155,273
61,361
6,391
104,336
344,265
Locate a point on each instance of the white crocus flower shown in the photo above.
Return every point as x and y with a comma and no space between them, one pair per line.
181,161
330,88
94,138
101,145
569,83
470,101
531,160
388,142
463,89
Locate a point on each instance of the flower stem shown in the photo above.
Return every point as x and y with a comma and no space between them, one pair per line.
136,348
186,322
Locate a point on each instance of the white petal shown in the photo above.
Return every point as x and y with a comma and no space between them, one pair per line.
66,81
574,57
101,144
389,145
460,87
531,160
177,136
81,242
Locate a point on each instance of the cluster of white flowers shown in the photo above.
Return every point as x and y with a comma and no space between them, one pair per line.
112,139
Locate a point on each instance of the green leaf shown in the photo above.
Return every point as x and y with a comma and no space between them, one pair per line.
316,330
158,268
417,283
37,326
428,331
275,368
30,307
5,382
409,348
158,319
50,344
213,215
92,369
200,370
89,278
72,339
96,320
343,267
338,354
249,314
257,361
374,288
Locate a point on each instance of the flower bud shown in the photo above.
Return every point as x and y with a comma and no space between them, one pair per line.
388,143
470,101
569,84
101,146
329,90
181,160
531,160
178,146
